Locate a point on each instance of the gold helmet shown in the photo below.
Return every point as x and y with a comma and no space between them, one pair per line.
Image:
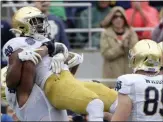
146,56
30,21
161,45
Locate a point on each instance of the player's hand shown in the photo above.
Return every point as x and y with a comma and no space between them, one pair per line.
57,63
77,59
30,55
50,46
61,48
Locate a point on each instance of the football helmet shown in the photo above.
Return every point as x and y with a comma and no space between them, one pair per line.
30,21
145,55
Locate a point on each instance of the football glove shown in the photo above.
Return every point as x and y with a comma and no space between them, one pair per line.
57,63
61,48
30,55
76,60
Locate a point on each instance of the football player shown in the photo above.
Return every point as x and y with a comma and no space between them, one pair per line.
29,51
161,45
35,108
140,95
107,95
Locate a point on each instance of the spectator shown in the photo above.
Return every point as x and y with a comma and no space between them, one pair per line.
116,41
6,35
73,13
58,11
157,34
123,4
98,14
11,113
6,118
52,19
4,114
142,15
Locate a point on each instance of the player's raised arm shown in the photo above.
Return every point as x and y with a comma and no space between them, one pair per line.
14,70
15,63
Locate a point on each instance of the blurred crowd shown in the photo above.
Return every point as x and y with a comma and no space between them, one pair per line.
117,18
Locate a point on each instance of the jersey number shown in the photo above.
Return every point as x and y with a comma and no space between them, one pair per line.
153,101
8,50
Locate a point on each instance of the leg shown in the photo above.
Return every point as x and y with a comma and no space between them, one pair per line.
65,92
107,95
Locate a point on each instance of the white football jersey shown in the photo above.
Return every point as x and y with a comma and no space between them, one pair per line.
146,93
42,69
36,108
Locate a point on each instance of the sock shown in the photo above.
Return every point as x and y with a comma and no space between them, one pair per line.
95,110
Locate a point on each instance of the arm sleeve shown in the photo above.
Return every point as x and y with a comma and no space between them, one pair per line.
12,46
123,86
9,48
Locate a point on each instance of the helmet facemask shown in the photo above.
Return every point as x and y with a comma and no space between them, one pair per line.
39,27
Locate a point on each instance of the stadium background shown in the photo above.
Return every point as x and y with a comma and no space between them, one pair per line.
91,68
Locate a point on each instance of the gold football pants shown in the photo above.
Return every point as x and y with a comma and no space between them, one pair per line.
65,92
107,95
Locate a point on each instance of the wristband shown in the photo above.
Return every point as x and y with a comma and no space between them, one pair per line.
50,46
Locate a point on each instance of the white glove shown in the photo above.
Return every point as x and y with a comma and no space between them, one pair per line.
61,48
57,63
30,55
77,59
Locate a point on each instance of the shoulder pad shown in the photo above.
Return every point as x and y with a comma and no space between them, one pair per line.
12,45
